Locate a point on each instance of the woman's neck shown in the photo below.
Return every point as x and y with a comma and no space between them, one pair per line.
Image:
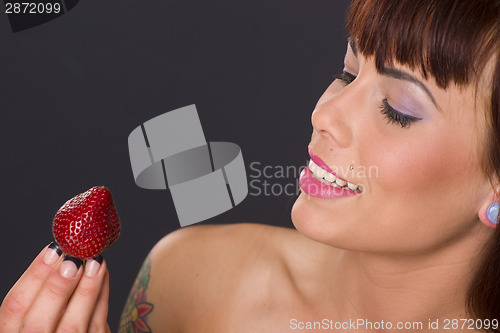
415,287
402,289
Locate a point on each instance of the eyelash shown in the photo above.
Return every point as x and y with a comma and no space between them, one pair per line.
392,115
345,78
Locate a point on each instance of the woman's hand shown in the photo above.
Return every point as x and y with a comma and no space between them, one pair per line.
58,294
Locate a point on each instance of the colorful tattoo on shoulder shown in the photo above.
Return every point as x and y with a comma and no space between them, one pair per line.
134,316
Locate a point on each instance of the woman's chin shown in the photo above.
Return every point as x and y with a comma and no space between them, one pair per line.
306,219
313,222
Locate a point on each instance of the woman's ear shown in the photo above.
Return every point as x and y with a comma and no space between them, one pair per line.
489,212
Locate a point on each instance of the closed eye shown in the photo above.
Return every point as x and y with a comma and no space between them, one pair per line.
392,115
345,78
396,117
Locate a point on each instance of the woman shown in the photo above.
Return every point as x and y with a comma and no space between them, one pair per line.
398,235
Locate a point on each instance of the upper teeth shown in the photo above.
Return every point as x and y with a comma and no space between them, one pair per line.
330,179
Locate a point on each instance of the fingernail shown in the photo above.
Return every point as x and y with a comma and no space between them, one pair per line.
69,267
92,266
52,253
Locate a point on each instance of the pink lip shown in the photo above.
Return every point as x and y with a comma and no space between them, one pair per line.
319,162
315,188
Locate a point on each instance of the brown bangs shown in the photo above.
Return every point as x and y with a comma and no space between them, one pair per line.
442,38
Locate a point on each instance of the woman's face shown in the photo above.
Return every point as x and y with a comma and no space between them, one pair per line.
416,151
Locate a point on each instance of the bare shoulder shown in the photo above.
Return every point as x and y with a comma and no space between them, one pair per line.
208,240
202,271
220,250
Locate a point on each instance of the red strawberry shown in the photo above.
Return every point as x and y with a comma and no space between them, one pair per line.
87,224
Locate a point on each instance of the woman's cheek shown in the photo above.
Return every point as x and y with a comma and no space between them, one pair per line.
405,167
429,165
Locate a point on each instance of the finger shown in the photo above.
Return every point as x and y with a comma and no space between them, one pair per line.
51,301
99,319
82,303
20,297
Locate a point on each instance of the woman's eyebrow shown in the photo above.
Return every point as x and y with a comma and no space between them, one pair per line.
397,74
401,75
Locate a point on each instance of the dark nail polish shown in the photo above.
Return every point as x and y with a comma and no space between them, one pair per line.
99,259
76,261
56,248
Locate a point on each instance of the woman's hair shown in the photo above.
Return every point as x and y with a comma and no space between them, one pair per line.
453,42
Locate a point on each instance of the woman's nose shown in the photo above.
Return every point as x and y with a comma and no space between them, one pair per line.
333,117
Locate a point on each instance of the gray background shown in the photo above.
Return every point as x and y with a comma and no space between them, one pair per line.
74,88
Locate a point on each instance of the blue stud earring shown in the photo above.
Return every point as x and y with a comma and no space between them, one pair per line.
492,212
